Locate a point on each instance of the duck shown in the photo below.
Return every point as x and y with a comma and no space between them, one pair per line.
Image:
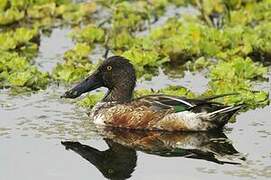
163,112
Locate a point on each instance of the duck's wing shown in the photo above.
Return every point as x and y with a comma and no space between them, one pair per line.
163,102
178,104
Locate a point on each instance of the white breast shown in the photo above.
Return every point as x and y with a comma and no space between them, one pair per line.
99,119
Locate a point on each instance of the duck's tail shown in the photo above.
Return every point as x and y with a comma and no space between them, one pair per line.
222,116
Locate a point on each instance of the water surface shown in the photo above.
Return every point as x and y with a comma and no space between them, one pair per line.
33,126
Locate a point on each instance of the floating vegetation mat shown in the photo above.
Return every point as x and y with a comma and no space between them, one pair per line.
230,40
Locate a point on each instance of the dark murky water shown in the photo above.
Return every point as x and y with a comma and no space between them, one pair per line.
33,126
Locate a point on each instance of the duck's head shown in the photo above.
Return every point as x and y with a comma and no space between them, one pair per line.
115,73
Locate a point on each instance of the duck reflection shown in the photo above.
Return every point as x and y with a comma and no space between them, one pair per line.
119,160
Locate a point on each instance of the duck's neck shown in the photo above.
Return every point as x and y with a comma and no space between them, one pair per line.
119,94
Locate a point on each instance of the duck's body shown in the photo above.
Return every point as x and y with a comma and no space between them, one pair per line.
160,112
154,112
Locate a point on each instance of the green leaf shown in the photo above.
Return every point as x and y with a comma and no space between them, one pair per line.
89,34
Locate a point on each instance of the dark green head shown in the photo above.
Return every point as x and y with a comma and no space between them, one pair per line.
115,73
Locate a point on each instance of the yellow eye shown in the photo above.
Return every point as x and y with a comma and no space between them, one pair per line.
109,68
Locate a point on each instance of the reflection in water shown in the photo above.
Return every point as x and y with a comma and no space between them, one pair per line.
119,161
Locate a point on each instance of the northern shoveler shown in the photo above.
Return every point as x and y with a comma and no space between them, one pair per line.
153,112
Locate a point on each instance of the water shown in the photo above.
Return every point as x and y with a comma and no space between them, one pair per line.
33,126
52,48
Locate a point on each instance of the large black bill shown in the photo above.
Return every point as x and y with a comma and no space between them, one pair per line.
92,82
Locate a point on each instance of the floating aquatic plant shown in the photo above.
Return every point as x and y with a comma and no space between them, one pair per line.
144,60
16,71
90,100
177,91
76,65
236,76
13,11
10,16
221,36
129,16
89,34
121,40
19,37
198,64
